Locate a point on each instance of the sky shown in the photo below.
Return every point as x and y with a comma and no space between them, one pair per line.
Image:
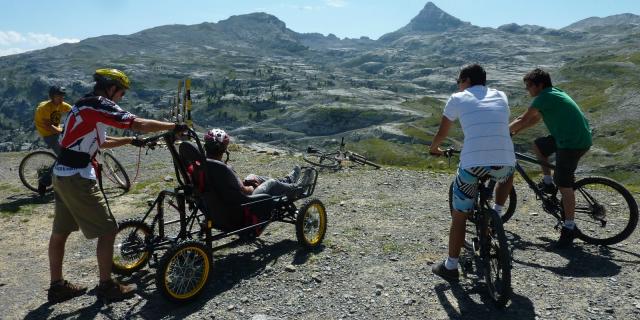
35,24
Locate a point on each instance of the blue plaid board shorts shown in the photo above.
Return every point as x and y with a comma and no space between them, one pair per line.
465,186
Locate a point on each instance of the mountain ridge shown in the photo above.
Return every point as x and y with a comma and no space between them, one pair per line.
265,82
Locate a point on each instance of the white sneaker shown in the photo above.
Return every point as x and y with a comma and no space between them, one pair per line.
307,178
294,175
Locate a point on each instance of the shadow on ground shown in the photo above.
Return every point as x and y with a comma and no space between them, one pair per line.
581,262
228,271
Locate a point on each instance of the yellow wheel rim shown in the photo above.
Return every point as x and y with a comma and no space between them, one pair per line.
186,273
315,223
131,260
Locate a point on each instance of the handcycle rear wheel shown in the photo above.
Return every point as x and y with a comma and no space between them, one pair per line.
33,166
323,160
129,251
311,224
114,171
496,258
606,213
184,270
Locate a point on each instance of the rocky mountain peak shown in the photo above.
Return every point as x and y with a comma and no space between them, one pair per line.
614,20
431,18
257,19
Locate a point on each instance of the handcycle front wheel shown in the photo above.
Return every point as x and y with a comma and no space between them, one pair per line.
605,212
323,160
130,253
115,172
34,166
311,224
184,270
496,258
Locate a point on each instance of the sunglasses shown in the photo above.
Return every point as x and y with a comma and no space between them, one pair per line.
459,81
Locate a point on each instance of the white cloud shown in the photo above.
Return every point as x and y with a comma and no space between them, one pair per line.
336,3
12,42
10,51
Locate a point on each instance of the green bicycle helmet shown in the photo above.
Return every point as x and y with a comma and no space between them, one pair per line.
112,77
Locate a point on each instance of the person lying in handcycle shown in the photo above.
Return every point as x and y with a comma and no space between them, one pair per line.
216,142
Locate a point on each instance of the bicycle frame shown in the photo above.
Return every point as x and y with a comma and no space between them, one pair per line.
550,203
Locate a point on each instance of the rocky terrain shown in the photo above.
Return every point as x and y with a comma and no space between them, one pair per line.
264,82
385,229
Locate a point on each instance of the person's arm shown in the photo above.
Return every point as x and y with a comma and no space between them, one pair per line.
148,125
57,129
443,131
528,119
112,142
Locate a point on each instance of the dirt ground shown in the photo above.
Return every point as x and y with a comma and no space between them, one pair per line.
385,229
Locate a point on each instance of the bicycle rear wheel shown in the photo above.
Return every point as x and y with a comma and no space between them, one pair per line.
510,205
35,167
496,258
323,160
606,212
114,171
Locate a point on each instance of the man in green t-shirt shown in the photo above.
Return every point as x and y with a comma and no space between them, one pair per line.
570,139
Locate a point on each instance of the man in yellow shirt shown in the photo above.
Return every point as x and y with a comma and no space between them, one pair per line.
47,117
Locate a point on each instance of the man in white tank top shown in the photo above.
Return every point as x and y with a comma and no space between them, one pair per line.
488,151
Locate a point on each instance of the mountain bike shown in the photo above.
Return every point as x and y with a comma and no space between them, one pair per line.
336,159
488,244
36,168
606,212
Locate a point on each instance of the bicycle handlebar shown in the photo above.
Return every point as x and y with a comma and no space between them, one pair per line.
152,142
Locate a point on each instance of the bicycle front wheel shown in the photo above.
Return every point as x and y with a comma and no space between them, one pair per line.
496,258
606,212
323,160
37,168
362,160
114,171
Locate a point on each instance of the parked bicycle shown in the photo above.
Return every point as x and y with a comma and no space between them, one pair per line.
488,245
37,166
606,212
336,159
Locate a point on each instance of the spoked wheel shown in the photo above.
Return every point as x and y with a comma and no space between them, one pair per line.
510,205
496,258
130,253
184,271
323,160
311,224
359,159
114,171
37,167
606,213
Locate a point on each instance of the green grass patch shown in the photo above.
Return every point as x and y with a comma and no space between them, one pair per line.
413,156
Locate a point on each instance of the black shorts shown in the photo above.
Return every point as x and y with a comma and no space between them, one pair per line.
566,160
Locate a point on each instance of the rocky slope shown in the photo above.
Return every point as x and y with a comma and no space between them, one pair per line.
264,82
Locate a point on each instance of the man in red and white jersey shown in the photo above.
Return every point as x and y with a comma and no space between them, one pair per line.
79,203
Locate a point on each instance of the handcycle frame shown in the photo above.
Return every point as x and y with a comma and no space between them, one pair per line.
196,228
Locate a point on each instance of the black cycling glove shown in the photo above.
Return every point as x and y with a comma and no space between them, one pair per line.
180,127
137,142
